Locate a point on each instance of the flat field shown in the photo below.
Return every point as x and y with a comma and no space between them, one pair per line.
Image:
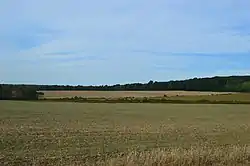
53,133
117,94
244,97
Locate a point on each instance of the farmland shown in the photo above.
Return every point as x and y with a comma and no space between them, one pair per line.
184,97
117,94
52,133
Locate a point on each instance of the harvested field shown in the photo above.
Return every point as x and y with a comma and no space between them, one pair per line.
117,94
48,133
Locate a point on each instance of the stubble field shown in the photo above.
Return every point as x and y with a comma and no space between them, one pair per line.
52,133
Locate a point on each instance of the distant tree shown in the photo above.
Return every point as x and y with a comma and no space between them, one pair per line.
232,83
245,87
150,82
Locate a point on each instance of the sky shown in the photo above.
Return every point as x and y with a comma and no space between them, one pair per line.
79,42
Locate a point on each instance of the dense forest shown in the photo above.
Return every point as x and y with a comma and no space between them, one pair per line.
218,84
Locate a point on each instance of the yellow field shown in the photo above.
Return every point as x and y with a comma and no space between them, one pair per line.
76,134
116,94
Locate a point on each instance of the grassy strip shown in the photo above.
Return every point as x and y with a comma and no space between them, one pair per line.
146,100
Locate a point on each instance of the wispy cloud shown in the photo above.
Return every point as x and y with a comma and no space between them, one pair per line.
63,53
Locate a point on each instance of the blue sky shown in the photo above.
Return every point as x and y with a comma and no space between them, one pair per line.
108,42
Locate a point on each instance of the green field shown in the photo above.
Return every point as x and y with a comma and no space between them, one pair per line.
57,133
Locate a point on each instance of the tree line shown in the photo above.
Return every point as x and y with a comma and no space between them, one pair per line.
217,84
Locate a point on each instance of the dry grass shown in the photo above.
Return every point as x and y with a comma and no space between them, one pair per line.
117,94
35,133
194,156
